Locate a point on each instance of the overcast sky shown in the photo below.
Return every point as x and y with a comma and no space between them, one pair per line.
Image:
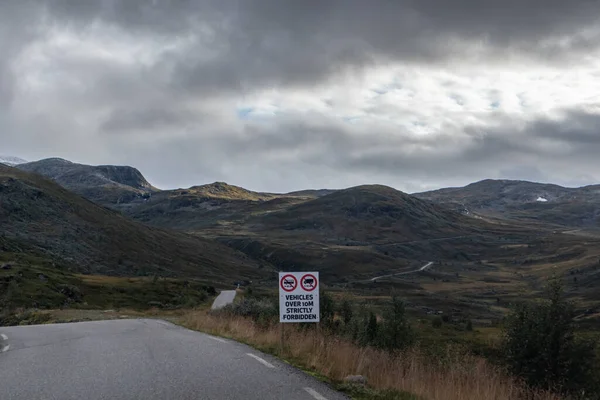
281,95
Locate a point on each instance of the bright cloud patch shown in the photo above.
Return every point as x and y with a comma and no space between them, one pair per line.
270,97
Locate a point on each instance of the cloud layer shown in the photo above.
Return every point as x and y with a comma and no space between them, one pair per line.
284,95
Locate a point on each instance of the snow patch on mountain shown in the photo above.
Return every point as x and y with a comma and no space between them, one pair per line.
542,199
8,160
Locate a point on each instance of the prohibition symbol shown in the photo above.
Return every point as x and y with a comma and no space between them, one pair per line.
289,283
308,282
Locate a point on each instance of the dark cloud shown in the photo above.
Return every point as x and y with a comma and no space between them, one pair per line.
18,28
543,150
208,57
147,119
577,130
273,42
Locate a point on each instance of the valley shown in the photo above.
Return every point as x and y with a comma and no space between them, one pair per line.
488,243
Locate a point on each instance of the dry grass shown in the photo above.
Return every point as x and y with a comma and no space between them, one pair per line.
454,376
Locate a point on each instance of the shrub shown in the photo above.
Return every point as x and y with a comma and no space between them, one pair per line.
541,347
11,293
23,317
469,326
370,331
346,311
211,291
396,332
192,301
262,311
72,292
437,322
327,309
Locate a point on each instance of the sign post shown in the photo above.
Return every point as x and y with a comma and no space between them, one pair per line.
299,297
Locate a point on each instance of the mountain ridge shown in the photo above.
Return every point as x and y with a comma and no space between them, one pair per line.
108,185
11,161
90,238
523,200
125,189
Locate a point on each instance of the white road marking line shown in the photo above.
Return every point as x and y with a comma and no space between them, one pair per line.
5,349
217,339
260,360
314,393
4,337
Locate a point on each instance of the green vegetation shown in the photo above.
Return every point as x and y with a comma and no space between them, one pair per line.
396,332
25,288
541,346
393,333
262,311
413,373
539,343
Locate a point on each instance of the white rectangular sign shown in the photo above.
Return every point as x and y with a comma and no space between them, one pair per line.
299,297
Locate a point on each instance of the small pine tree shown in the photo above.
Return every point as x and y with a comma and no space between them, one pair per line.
354,330
540,345
346,311
469,325
396,331
8,302
327,309
370,330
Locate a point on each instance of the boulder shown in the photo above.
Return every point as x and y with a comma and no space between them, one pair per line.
355,380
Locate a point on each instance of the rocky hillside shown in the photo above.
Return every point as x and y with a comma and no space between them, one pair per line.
80,235
108,185
547,203
367,213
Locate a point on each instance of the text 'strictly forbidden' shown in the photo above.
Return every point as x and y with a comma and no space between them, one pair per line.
299,297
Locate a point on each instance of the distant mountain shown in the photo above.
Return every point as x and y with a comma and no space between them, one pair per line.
224,191
108,185
380,210
312,192
353,230
207,206
80,235
366,212
577,207
11,161
359,231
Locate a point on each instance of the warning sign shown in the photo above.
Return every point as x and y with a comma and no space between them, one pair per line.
299,297
289,283
309,282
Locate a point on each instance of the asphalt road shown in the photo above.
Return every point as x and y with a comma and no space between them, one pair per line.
142,359
224,298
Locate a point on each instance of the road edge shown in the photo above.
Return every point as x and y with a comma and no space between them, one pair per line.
311,374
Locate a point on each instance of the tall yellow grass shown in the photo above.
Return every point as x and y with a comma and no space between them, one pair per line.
464,377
